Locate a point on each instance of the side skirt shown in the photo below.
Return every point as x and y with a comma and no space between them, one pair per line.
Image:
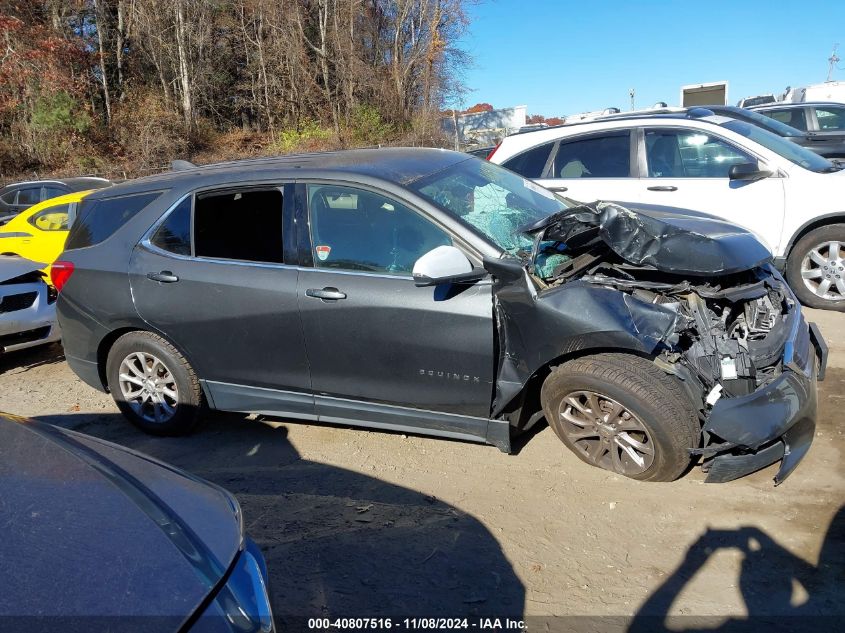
246,399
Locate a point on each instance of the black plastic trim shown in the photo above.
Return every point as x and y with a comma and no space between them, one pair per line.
822,349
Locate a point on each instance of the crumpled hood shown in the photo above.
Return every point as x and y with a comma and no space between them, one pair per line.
671,240
12,267
92,529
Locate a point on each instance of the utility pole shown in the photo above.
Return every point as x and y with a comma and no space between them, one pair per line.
631,94
833,60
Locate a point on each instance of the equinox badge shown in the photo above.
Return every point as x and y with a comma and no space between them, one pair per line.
447,375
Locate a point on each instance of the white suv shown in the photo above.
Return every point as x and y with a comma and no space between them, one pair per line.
792,198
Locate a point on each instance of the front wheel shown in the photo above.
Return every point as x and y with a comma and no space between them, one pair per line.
621,413
153,385
815,268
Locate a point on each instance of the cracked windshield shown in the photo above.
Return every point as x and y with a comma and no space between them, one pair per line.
492,200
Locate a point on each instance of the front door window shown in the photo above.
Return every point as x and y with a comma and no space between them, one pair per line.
830,118
690,154
355,229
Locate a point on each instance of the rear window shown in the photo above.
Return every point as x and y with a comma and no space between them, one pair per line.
99,219
531,164
239,225
793,117
51,218
604,156
30,195
174,234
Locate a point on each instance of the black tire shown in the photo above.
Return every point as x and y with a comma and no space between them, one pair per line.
660,415
188,403
816,239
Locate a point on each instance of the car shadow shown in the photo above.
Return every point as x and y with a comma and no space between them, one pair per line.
781,591
337,543
31,357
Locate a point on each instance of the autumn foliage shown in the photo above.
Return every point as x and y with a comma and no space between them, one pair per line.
478,107
95,85
539,118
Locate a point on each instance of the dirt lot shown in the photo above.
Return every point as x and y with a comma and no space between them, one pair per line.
357,523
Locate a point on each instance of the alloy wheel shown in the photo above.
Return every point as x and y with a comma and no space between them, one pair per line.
823,271
148,386
607,433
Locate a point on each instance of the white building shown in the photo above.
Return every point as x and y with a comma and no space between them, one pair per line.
485,128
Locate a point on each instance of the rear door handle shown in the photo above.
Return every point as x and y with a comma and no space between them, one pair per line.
165,277
663,188
326,294
558,188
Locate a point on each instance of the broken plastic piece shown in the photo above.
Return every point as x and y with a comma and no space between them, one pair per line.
728,366
714,395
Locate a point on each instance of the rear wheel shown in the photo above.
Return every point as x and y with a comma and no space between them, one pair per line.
621,413
815,268
153,385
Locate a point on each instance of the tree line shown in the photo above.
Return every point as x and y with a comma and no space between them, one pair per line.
87,84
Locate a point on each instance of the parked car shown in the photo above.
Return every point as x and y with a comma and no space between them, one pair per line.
39,233
790,197
481,152
429,291
27,305
826,91
743,114
100,537
747,102
19,196
832,150
824,124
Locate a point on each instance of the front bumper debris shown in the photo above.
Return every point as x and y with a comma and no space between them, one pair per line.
776,422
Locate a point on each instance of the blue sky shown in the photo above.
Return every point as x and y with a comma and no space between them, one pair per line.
568,56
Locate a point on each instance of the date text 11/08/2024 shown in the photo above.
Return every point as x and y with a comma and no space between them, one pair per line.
481,624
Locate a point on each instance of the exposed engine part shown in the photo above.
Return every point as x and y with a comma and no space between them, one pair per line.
724,336
760,317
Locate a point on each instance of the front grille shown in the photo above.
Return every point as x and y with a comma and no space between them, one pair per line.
12,303
29,336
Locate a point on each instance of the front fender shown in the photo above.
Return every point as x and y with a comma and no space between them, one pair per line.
536,328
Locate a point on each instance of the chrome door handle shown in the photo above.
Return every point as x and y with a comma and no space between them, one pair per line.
326,294
663,188
165,277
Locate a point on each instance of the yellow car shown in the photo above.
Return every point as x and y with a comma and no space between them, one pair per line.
39,233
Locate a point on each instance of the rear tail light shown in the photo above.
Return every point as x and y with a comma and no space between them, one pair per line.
490,155
60,272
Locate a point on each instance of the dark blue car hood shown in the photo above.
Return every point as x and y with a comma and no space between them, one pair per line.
670,240
93,530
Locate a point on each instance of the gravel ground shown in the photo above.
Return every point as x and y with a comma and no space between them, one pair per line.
358,523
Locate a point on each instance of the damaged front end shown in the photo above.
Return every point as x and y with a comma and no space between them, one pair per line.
701,298
27,305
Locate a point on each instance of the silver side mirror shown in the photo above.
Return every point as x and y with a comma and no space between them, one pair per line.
445,264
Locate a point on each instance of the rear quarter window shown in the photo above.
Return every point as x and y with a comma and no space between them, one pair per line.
531,163
98,220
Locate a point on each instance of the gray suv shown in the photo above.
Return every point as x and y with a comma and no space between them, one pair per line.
429,291
823,123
